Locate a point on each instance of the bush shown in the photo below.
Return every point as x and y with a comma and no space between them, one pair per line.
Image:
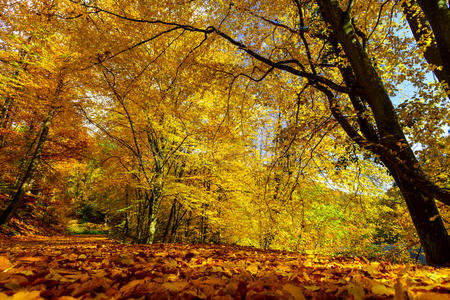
87,213
86,228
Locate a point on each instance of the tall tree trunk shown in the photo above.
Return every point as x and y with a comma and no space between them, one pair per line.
139,215
176,223
16,198
146,218
389,143
153,221
169,221
437,13
425,216
422,33
203,224
31,146
153,212
5,112
187,231
126,227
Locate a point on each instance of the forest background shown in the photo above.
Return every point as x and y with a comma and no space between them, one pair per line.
257,123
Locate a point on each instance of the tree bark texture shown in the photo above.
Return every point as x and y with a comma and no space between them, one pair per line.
421,32
437,13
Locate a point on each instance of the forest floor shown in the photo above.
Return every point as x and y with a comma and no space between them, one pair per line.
95,267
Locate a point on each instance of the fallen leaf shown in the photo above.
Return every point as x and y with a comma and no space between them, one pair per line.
23,295
294,290
26,272
175,286
171,263
91,285
16,281
4,263
431,296
356,290
134,288
126,260
33,258
312,287
214,281
172,277
381,289
253,268
434,218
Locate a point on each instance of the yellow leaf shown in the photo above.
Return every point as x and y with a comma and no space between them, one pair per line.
175,286
357,291
400,291
294,290
172,277
312,287
253,268
380,289
434,218
4,263
32,258
33,295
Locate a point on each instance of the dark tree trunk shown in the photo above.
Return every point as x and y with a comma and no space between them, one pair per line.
422,32
16,198
389,143
5,112
139,215
437,13
169,221
187,231
176,223
145,224
126,227
173,232
425,216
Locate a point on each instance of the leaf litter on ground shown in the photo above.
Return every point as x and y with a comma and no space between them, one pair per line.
94,267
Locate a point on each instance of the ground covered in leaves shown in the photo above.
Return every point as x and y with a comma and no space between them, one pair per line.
93,267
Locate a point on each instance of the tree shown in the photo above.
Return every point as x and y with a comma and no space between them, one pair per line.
424,36
389,143
35,91
333,50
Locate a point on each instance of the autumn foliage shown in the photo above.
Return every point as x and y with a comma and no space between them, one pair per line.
318,127
94,267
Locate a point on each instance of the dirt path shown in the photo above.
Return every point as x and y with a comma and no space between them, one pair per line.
94,267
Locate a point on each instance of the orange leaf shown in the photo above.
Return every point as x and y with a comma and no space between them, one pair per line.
4,263
33,258
294,290
34,295
175,286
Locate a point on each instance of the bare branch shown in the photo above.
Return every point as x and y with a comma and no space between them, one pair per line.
272,22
